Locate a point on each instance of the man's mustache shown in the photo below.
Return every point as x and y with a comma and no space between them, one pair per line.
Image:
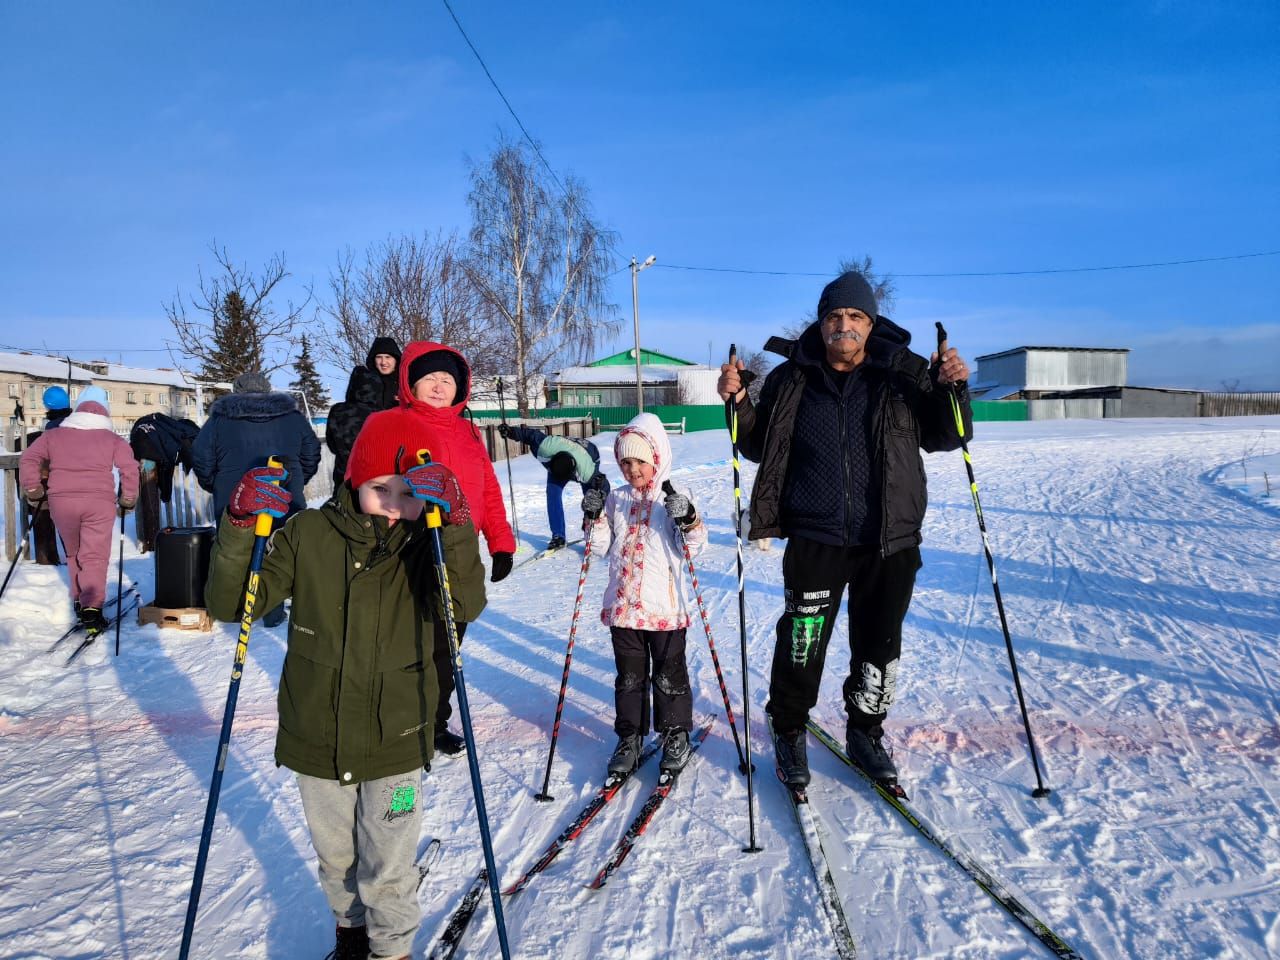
853,335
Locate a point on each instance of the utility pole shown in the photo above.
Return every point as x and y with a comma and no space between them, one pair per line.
635,313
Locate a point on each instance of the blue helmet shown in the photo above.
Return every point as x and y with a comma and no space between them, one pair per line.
55,398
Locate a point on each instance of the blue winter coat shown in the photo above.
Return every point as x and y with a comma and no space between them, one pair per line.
244,429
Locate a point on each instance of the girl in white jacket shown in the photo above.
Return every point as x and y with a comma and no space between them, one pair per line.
640,526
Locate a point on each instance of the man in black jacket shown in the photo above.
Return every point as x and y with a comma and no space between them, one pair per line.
837,433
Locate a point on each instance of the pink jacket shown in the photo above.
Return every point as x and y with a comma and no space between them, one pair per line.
79,456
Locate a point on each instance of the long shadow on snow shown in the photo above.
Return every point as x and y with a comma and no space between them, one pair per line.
944,569
1210,525
155,690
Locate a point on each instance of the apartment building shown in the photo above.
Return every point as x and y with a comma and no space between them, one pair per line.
132,392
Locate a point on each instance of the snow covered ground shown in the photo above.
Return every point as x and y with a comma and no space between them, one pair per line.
1140,567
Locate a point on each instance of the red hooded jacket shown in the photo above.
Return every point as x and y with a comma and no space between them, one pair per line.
457,444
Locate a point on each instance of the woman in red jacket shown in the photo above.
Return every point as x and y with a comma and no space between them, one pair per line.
435,385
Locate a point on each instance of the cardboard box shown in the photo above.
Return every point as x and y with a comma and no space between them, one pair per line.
176,618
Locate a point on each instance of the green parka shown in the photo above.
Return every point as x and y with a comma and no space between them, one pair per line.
358,692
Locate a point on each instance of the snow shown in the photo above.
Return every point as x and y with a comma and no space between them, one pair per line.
1138,561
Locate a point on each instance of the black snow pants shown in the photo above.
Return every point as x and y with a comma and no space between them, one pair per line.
814,578
646,657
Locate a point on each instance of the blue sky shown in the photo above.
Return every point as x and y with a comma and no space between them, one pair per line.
975,138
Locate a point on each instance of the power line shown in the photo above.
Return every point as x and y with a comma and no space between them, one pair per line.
993,273
510,109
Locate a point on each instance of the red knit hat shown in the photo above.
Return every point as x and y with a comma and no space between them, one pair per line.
388,443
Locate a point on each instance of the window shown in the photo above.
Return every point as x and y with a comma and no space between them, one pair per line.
13,390
33,393
130,397
146,398
108,396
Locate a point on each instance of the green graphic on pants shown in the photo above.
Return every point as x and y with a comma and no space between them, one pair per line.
401,802
805,632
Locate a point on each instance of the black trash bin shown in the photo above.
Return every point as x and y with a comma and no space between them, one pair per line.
182,564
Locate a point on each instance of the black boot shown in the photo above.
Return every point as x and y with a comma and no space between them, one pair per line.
555,543
625,756
791,754
449,742
866,750
675,751
92,620
353,944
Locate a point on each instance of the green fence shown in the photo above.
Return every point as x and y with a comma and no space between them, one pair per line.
712,417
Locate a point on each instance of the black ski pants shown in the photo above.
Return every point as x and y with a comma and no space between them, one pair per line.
814,577
441,657
650,658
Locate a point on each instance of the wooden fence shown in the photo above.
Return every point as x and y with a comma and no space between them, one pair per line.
1239,404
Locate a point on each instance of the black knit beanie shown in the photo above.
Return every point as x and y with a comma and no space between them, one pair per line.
848,290
385,345
436,360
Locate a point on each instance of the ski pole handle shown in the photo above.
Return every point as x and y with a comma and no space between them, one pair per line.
435,519
262,527
942,340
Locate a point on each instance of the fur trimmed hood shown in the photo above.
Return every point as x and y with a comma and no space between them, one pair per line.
254,406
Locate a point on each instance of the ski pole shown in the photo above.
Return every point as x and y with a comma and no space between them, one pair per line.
434,522
506,455
731,409
543,796
22,544
1041,790
262,531
668,489
120,579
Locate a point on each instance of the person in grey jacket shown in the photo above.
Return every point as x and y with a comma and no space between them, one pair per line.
838,433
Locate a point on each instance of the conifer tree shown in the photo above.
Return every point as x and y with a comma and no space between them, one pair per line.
234,346
308,382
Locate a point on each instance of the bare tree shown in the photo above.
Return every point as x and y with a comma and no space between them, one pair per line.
235,326
539,262
759,363
882,284
409,288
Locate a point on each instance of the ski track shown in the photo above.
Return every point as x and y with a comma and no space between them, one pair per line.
1141,591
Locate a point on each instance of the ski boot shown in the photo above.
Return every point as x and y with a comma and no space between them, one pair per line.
353,944
448,742
625,756
866,750
555,543
675,751
791,755
92,620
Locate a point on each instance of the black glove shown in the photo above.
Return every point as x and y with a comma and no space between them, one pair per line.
679,509
504,431
501,567
592,504
34,497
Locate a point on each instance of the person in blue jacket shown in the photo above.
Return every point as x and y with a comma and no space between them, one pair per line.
567,459
245,428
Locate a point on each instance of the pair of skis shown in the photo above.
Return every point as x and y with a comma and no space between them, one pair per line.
453,933
129,601
892,794
544,553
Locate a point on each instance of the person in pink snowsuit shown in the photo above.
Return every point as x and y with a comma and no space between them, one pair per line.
82,494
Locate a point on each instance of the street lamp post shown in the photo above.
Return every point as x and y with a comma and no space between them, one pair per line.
635,313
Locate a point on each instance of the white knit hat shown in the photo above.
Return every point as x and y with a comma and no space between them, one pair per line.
634,446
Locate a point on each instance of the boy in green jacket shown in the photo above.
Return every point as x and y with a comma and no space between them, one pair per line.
358,692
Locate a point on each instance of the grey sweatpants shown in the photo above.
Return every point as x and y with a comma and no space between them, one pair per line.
366,836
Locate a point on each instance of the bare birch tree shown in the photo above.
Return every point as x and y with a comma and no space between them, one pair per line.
540,263
235,326
409,288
